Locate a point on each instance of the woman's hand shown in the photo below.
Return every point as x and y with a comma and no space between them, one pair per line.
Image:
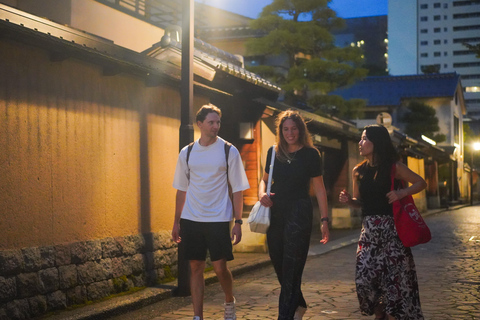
344,197
325,232
265,200
396,195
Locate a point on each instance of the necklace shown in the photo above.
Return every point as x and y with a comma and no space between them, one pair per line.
293,157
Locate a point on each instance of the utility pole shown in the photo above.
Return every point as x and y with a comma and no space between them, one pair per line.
186,126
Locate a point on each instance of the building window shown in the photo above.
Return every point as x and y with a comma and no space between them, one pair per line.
423,18
436,18
424,43
445,53
462,52
462,40
445,5
436,5
437,54
472,76
424,31
466,15
424,6
445,29
466,64
437,42
445,41
437,30
445,17
465,28
424,55
445,66
456,124
472,89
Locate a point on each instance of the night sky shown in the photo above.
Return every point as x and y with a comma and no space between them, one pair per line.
344,8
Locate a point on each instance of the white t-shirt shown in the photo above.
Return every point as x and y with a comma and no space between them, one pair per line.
207,197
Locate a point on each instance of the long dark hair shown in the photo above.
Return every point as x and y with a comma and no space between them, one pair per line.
305,139
384,153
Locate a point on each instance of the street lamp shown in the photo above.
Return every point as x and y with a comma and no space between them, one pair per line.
475,147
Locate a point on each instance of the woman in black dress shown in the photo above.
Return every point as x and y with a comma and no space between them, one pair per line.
297,165
385,276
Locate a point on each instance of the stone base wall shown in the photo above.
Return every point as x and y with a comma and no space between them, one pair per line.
34,281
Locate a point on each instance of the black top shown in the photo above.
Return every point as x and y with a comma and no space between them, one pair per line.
373,189
292,180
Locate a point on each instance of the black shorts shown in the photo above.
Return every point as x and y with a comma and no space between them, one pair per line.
198,237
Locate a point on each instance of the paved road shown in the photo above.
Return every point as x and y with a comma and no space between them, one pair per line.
448,270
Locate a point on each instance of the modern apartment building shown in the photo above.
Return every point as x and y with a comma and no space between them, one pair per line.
429,35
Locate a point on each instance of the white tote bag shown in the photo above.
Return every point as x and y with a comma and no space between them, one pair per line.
259,218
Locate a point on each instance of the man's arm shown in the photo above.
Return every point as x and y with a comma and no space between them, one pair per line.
237,213
179,203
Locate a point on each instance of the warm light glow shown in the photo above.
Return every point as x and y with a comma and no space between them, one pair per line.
427,139
476,146
472,89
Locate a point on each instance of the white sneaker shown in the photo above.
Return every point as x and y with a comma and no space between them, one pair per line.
230,310
299,313
196,318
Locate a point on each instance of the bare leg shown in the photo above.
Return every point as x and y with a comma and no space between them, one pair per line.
225,278
197,286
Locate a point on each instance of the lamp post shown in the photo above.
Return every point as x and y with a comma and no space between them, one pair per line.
186,126
475,147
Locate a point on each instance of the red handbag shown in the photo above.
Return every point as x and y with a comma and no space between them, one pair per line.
411,228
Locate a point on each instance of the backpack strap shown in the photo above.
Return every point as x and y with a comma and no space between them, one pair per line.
189,150
227,147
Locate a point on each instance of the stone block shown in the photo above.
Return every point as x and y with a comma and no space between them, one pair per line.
110,248
138,263
18,309
32,259
117,267
99,290
38,305
132,244
67,276
127,265
28,285
56,300
84,251
48,279
11,262
105,269
8,288
47,255
62,255
87,272
77,295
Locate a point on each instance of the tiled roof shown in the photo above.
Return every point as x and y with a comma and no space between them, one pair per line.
389,90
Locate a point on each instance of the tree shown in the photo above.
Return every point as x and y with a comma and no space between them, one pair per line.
475,48
421,120
299,30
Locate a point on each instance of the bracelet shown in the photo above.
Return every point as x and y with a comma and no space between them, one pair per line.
324,219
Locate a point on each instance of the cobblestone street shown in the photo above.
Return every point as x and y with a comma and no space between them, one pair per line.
448,269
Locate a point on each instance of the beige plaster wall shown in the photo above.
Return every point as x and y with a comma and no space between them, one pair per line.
83,156
122,28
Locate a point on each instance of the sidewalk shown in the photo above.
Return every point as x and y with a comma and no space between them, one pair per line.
244,262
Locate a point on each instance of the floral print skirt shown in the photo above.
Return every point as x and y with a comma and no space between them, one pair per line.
385,271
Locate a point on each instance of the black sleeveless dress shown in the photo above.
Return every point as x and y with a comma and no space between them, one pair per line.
385,270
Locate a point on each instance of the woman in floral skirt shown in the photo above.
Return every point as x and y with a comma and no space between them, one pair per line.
385,277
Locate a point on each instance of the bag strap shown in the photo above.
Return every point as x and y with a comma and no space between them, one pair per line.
227,147
392,175
270,173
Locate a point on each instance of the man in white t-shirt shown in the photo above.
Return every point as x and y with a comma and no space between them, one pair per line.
203,210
